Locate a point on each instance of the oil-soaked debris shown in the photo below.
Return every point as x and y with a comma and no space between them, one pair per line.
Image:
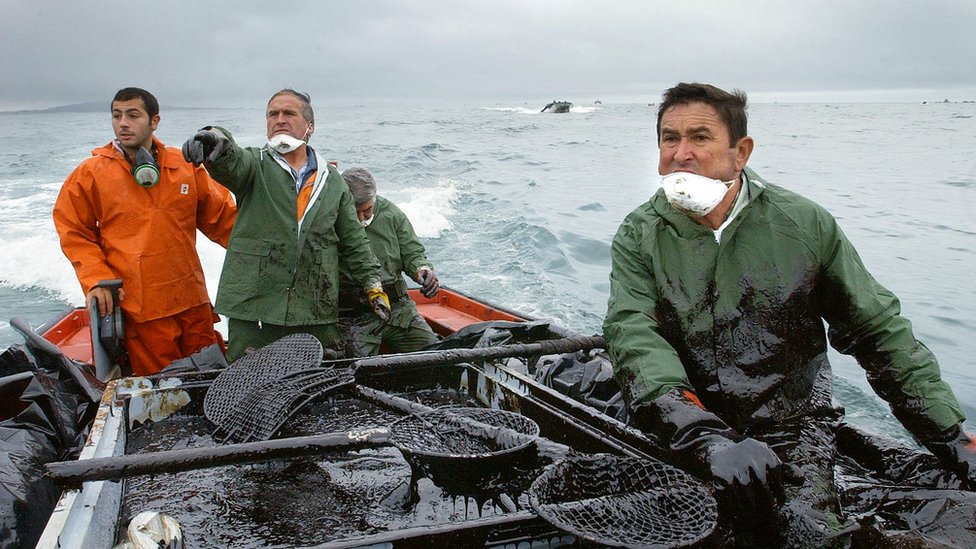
315,500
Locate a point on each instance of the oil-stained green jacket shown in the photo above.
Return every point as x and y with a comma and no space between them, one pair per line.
741,322
395,244
278,270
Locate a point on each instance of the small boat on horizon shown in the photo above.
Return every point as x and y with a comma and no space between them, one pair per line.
557,107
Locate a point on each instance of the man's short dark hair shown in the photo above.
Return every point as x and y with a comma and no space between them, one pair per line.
304,98
148,99
731,107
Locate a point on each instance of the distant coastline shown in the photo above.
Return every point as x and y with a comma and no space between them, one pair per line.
93,106
759,97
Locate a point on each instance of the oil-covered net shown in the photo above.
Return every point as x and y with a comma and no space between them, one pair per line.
461,432
261,412
254,375
253,398
624,502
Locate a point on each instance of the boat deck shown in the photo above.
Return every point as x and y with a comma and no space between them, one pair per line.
448,312
71,334
347,499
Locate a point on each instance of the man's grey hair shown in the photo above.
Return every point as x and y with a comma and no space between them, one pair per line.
305,99
361,184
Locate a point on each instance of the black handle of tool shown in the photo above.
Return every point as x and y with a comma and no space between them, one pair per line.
172,461
443,357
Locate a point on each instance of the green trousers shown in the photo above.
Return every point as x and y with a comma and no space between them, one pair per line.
245,334
364,334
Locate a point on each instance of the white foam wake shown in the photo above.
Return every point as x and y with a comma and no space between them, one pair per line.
428,208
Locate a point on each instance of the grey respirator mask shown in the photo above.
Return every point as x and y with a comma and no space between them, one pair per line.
145,170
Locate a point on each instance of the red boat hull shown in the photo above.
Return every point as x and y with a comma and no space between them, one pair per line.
447,312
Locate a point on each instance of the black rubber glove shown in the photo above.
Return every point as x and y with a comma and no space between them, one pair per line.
428,282
205,146
741,462
746,473
956,449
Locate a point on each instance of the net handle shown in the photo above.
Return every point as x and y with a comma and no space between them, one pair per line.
470,426
76,472
446,357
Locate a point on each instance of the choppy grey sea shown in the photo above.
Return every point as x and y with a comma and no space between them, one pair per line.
519,207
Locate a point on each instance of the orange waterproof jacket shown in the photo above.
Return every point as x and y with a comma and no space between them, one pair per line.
110,227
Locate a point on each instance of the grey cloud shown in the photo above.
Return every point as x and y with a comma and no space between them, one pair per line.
236,53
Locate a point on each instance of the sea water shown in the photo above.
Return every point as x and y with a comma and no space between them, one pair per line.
519,207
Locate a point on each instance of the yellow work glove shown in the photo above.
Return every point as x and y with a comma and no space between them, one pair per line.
379,302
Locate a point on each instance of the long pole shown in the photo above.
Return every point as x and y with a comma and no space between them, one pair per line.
454,356
173,461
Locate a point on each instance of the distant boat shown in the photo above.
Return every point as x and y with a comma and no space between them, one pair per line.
557,107
598,102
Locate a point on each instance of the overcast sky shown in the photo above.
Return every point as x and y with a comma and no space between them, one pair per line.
214,53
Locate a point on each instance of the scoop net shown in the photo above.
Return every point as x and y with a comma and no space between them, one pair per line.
624,502
261,413
256,373
454,432
256,396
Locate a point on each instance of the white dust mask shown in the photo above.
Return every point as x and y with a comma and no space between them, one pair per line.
284,143
694,194
367,221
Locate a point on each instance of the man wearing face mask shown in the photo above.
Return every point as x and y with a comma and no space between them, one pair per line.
296,226
395,244
719,288
131,211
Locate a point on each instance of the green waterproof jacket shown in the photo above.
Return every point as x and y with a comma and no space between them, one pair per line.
741,322
278,270
396,246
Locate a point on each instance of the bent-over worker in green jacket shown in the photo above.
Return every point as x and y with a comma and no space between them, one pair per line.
296,225
719,289
395,244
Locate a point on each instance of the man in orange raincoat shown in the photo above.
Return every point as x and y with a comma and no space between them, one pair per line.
131,211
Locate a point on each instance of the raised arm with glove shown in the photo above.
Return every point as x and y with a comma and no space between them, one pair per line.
205,146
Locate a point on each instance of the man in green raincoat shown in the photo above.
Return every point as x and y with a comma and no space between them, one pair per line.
296,225
394,242
719,288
